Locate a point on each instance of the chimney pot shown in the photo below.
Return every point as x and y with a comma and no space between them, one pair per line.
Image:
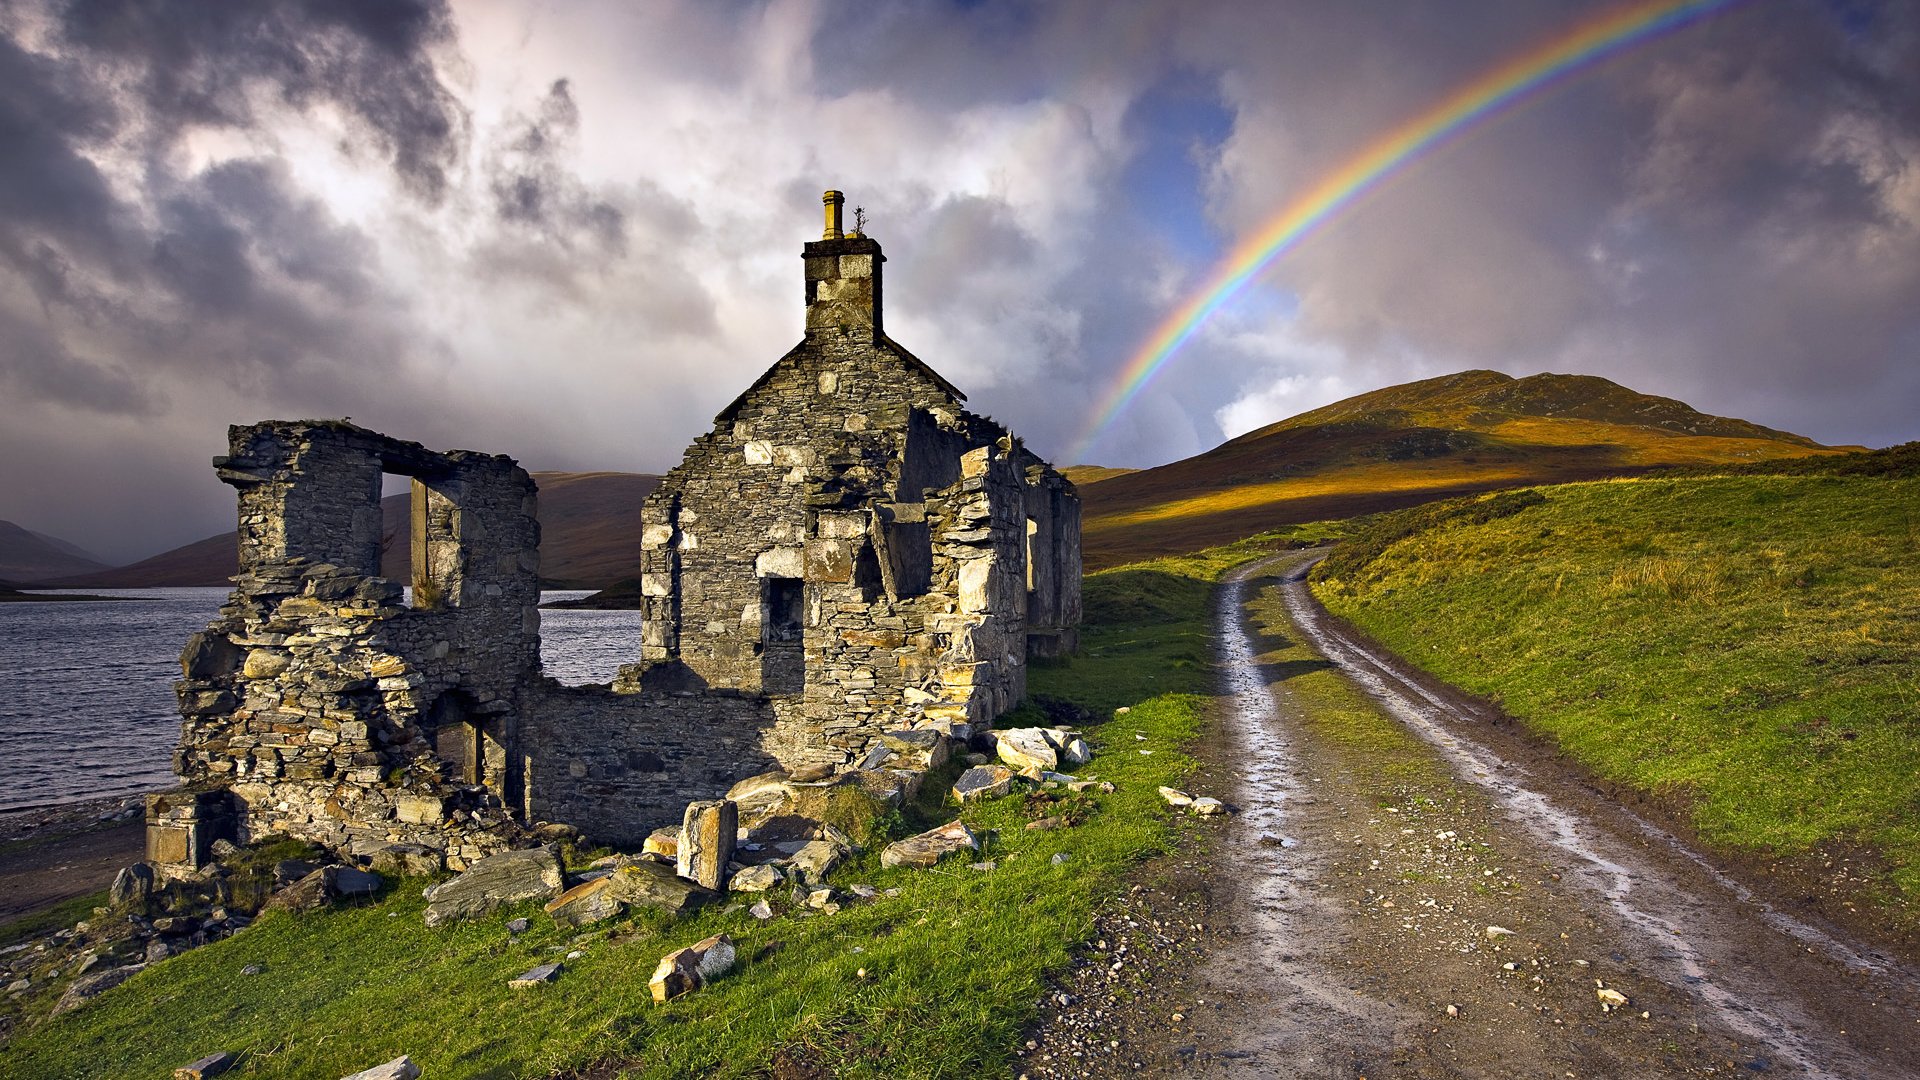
834,200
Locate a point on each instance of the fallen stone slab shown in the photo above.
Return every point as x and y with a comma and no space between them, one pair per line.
87,987
924,748
662,841
586,903
495,881
983,782
402,860
209,1066
929,847
400,1068
651,885
812,863
1208,806
545,973
1176,798
756,878
1026,749
685,970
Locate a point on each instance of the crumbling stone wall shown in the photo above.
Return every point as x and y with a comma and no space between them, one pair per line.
852,543
324,704
848,552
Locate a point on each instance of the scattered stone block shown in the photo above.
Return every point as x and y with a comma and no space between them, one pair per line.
545,973
812,863
1176,798
663,841
132,887
87,987
323,886
983,782
756,878
1026,749
1208,806
930,847
685,970
493,882
1075,753
400,1068
210,1066
707,835
762,911
651,885
403,860
517,926
586,903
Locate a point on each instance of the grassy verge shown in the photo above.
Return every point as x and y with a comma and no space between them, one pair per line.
63,914
1746,646
936,981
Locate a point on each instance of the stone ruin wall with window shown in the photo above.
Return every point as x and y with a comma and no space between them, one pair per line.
848,552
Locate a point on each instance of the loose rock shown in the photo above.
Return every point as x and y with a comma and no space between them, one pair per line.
209,1066
493,882
1175,797
983,782
685,970
586,903
1026,749
545,973
707,836
929,847
651,885
755,879
400,1068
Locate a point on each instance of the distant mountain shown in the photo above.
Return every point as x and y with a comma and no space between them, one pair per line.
589,525
1475,431
28,556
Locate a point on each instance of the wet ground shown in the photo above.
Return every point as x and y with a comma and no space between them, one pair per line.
52,854
1413,888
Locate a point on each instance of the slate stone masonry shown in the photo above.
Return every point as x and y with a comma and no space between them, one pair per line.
848,552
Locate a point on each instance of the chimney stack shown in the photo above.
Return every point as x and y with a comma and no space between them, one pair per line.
843,278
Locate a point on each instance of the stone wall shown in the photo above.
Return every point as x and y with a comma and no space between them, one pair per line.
848,552
911,531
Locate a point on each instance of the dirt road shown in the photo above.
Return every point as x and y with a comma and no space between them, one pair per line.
1413,888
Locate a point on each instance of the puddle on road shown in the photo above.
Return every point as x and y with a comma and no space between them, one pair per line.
1674,922
1311,1025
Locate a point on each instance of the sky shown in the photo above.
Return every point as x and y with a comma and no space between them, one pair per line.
570,232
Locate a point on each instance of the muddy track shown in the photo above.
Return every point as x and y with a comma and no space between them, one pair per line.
1360,908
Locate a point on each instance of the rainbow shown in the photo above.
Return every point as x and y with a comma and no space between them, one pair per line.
1498,90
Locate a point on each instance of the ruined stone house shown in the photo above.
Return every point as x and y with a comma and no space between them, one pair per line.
848,552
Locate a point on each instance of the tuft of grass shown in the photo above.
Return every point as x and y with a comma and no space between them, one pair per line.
1746,646
937,981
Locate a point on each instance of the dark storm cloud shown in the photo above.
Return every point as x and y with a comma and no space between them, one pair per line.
533,187
206,62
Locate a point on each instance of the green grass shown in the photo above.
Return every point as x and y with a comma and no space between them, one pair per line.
952,966
63,914
1746,646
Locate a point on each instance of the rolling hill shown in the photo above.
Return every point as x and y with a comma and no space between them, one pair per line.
1401,445
589,523
28,556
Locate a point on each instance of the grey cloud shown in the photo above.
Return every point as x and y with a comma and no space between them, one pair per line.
203,62
532,187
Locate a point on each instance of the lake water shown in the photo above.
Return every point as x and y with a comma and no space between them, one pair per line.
86,689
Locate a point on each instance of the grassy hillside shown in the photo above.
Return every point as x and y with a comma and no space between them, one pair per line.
935,982
589,525
1744,647
1402,445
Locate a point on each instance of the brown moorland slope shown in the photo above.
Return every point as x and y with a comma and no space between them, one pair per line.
28,556
1401,445
589,525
